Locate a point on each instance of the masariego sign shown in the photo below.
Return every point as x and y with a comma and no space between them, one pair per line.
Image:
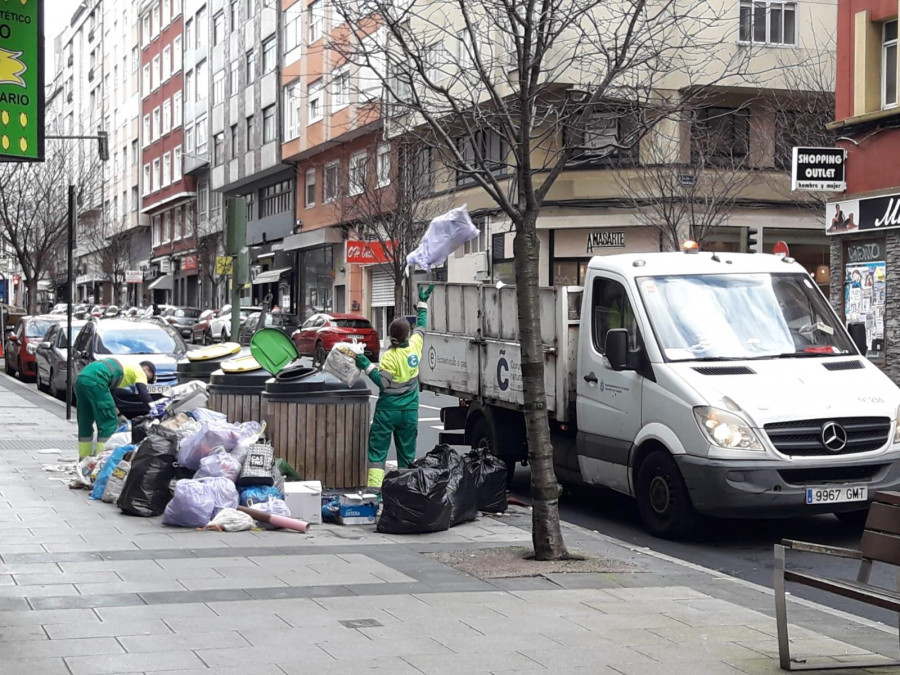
22,80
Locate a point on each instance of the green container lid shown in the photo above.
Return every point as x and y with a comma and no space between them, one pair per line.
273,349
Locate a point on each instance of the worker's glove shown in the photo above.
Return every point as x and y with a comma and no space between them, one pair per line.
362,362
425,292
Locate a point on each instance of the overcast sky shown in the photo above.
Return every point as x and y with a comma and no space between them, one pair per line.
57,15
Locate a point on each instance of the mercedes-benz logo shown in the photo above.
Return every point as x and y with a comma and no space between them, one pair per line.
834,436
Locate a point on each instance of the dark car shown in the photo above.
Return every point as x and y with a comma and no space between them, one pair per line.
182,319
287,323
200,332
29,330
320,332
51,357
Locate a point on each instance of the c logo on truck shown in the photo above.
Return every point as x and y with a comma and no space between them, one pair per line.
834,436
502,380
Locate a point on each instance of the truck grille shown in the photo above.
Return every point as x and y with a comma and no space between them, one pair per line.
833,474
805,438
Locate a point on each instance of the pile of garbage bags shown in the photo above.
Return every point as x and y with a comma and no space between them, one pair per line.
440,490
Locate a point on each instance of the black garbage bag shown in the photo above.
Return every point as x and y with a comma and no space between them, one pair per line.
146,491
139,428
462,491
489,473
415,501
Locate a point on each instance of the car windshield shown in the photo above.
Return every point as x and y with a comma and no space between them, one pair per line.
740,316
76,331
352,323
141,339
279,319
34,329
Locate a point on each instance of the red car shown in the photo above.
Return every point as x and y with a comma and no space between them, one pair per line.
29,330
321,332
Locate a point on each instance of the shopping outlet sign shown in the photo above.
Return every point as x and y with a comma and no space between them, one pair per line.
22,80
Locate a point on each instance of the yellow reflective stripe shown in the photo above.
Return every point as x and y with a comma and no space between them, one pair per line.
376,478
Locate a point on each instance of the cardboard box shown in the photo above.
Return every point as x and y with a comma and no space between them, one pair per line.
304,499
358,509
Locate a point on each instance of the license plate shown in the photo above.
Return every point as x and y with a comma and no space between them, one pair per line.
157,389
836,495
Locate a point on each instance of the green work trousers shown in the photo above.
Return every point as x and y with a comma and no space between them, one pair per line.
404,425
95,404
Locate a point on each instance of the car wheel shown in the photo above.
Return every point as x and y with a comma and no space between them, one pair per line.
51,388
20,371
207,337
224,336
320,355
41,386
663,499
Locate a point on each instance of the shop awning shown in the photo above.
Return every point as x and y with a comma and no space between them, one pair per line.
270,276
163,283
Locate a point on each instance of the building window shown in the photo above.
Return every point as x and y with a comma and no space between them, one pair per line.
235,135
146,130
176,54
203,199
202,30
276,199
291,109
250,133
219,88
156,123
314,114
720,137
269,55
316,20
249,7
357,174
218,28
292,21
330,180
202,135
463,50
270,132
189,87
235,14
166,63
310,188
250,65
145,29
176,7
415,170
383,165
235,77
492,150
219,148
167,116
155,76
156,175
371,74
768,22
340,89
189,139
166,169
146,185
604,139
145,81
166,11
176,164
889,65
157,24
177,110
189,34
202,80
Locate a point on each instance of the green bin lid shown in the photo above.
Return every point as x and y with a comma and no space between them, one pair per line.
273,349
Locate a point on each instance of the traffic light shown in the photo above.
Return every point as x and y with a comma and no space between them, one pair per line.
754,240
103,145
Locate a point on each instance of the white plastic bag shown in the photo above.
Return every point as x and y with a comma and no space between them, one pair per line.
445,234
193,448
341,365
221,463
116,482
192,505
117,440
232,520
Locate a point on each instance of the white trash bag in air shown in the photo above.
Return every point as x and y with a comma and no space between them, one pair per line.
445,234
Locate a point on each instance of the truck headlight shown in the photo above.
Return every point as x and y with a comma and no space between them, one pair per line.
897,427
726,429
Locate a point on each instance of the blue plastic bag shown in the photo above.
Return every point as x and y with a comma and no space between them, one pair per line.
256,494
106,471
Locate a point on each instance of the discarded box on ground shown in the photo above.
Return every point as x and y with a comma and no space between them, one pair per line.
358,509
304,499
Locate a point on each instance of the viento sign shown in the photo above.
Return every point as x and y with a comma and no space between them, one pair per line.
22,80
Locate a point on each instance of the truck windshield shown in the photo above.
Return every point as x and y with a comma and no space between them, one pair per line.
740,316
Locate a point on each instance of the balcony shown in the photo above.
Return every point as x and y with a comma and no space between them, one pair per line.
91,75
71,60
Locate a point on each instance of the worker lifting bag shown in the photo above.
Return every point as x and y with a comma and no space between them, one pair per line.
462,492
415,501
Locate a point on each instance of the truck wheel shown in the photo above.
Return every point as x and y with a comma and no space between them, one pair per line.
663,499
483,439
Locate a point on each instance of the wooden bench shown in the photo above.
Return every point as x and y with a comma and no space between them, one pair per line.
880,543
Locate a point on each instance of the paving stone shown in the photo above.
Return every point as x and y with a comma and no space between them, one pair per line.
48,666
193,611
60,648
106,629
58,578
500,659
566,657
86,601
383,666
132,663
310,654
183,641
21,633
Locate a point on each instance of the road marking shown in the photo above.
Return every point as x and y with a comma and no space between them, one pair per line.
439,427
430,407
429,419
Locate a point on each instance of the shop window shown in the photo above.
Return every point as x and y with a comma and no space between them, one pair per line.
310,188
864,292
889,65
569,272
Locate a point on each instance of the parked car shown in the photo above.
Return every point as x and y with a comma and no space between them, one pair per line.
81,311
182,319
287,323
97,311
29,330
320,332
200,332
59,308
51,357
220,327
133,312
111,312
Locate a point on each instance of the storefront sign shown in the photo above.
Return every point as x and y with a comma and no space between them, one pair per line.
605,239
223,264
22,80
133,277
865,251
150,273
818,169
165,265
863,215
189,263
368,252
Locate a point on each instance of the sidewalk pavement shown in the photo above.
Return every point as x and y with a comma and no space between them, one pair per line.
85,589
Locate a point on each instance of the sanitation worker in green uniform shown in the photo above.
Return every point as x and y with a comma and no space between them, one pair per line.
397,377
95,403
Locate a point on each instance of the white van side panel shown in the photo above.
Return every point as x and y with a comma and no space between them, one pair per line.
605,474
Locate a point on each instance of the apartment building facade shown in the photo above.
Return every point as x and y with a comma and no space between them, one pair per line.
862,223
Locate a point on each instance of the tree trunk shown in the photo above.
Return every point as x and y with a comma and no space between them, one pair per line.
31,285
546,535
399,305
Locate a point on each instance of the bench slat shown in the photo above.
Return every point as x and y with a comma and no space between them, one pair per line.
880,547
879,597
887,498
883,518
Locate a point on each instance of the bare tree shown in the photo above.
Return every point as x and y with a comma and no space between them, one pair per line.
390,203
210,246
496,86
106,242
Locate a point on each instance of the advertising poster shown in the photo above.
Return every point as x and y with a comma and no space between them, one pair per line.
864,292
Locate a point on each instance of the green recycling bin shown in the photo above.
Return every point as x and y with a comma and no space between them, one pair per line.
199,364
236,389
318,424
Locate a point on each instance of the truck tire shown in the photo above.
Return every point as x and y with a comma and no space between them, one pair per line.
663,499
484,438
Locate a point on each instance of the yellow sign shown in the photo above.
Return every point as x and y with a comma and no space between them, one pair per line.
224,264
22,80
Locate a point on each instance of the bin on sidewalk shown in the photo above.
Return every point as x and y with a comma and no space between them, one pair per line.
236,389
199,364
318,424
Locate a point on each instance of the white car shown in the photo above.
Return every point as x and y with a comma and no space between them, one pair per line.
220,327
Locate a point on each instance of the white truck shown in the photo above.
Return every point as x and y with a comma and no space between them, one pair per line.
721,384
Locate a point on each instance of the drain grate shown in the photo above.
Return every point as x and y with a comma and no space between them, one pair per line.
360,623
64,444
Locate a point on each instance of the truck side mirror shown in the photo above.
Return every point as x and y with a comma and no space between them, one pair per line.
858,335
617,348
